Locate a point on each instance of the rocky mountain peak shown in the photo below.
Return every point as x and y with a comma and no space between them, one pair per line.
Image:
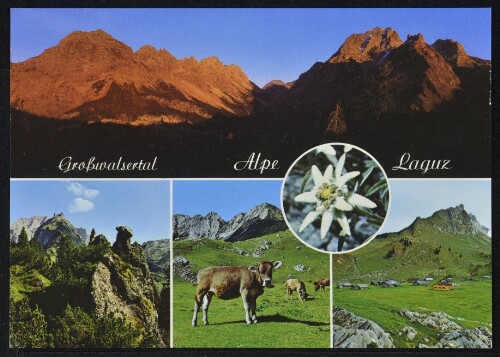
51,230
265,210
91,43
369,46
454,220
418,38
453,52
277,82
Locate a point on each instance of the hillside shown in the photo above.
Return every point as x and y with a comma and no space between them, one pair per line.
451,241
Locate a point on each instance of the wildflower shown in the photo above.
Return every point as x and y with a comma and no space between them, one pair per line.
332,198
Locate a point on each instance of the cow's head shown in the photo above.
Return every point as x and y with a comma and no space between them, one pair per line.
265,271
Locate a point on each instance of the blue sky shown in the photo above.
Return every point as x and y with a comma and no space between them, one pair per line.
227,198
143,205
266,43
412,198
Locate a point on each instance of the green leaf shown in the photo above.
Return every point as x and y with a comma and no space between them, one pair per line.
305,181
366,174
378,186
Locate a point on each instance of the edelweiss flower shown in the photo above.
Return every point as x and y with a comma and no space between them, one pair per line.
332,198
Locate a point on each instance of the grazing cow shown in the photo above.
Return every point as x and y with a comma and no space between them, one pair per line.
229,282
296,285
320,284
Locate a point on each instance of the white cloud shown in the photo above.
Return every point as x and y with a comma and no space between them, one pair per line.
79,190
80,205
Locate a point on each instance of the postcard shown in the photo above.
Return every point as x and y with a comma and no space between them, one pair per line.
280,179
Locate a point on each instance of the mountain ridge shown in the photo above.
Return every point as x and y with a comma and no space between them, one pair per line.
262,219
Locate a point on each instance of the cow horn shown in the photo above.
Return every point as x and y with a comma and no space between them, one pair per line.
277,264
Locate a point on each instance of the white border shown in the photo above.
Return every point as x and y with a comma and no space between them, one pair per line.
369,239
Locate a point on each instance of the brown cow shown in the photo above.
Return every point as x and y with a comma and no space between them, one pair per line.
321,283
296,285
229,282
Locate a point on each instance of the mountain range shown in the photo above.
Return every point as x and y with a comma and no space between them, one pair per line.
261,220
91,75
450,241
376,87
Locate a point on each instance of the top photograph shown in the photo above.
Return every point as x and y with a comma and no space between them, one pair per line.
243,93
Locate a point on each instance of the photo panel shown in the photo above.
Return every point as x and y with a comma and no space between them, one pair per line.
249,275
426,282
90,264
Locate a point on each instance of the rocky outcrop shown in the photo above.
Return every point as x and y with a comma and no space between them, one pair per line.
438,320
99,239
260,220
351,331
122,285
49,232
184,269
122,243
480,337
31,224
452,334
157,254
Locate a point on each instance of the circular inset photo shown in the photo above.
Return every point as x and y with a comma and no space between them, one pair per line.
335,197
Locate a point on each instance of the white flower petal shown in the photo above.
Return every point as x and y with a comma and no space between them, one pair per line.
326,149
348,148
346,230
328,173
317,176
340,167
342,204
326,222
341,181
358,200
307,197
311,216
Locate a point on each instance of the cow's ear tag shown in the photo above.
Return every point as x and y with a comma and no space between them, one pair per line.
252,268
277,264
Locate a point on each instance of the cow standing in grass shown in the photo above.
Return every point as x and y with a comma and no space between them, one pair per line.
298,286
230,282
320,284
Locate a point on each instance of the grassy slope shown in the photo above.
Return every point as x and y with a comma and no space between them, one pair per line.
419,259
469,300
282,323
22,282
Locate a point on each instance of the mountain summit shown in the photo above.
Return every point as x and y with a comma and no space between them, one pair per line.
372,45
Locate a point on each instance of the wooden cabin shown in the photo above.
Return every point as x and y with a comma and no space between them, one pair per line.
442,286
359,286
